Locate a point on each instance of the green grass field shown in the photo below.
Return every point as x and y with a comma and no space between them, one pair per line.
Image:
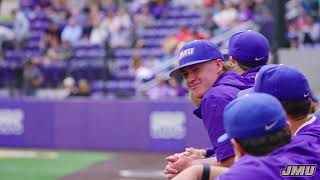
47,168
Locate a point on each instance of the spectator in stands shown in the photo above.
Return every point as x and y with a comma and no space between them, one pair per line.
54,50
53,53
56,18
76,13
139,70
98,34
27,5
120,38
265,22
32,78
158,8
69,86
144,18
161,90
123,18
72,32
245,13
209,24
110,23
197,35
293,35
183,35
314,31
169,46
83,88
21,26
94,13
226,17
6,38
176,90
53,33
152,62
43,3
134,40
79,4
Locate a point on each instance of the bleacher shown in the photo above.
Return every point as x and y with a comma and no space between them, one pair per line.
88,61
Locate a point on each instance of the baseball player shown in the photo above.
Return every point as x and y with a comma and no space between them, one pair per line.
256,124
248,52
201,65
292,89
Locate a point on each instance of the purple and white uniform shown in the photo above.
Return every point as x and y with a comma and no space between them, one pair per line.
223,91
298,152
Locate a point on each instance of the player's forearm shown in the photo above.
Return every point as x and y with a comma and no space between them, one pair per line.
213,162
196,172
216,171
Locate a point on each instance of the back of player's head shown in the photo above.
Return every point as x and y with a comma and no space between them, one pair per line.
249,48
287,84
258,122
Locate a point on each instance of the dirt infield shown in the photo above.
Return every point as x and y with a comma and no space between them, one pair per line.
124,166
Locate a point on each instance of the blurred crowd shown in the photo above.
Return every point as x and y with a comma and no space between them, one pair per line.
119,24
303,23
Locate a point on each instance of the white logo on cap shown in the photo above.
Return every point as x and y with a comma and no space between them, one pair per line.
258,59
306,94
270,126
186,52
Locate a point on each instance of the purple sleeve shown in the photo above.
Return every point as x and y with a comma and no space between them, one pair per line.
210,152
212,113
224,151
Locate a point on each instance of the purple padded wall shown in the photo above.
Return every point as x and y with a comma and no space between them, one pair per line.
104,124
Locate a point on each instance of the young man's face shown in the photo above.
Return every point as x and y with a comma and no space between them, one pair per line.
200,77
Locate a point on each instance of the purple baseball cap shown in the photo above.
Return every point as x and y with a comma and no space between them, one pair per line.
195,52
282,81
249,47
253,115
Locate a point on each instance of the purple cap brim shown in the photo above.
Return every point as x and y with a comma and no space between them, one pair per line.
176,72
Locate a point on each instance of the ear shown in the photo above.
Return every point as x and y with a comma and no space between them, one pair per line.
238,150
219,63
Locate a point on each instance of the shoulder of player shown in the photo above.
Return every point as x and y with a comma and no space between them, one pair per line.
247,167
218,95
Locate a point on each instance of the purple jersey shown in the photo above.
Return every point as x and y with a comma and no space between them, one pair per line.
297,152
223,91
310,130
250,75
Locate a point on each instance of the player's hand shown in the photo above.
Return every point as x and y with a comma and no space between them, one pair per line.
173,158
195,153
170,172
178,162
181,162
